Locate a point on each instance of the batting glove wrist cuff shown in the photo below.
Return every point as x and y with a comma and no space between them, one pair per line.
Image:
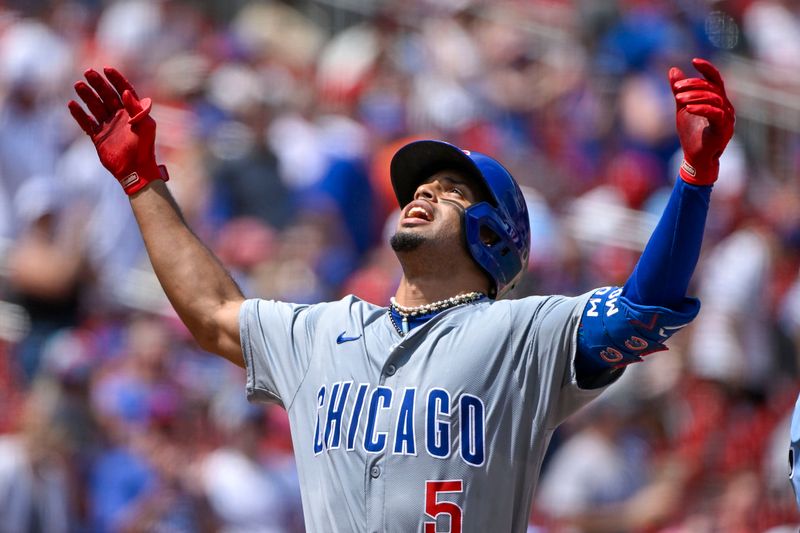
139,179
697,175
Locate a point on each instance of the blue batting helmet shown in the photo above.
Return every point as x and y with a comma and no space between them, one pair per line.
503,214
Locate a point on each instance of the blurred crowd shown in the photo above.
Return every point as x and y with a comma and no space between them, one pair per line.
277,121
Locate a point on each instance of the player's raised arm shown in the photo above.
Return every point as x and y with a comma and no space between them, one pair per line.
201,291
623,324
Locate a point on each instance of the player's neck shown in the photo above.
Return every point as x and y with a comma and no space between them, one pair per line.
435,273
417,291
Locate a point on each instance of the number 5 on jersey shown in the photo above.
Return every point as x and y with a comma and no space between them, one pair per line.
433,507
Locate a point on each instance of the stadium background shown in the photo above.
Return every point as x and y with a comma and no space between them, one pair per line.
277,121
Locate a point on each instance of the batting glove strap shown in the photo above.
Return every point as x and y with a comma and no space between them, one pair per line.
707,175
136,181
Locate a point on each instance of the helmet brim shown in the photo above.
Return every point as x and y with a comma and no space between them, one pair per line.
416,162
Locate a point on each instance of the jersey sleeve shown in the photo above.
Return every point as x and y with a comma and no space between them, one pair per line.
276,343
616,332
553,341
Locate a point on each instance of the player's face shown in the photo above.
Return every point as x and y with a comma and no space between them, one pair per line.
435,213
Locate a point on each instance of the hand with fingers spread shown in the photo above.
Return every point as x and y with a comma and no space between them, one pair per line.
120,126
705,119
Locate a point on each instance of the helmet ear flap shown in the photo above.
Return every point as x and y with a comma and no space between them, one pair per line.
494,245
465,237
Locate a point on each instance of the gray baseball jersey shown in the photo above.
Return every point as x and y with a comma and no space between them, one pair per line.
443,430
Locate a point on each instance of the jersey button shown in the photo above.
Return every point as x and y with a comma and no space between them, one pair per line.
375,471
390,370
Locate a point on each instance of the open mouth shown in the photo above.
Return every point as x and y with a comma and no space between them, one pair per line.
418,212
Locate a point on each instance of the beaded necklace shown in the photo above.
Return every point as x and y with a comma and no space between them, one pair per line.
423,312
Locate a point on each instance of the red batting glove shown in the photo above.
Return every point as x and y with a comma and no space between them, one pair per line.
121,128
705,119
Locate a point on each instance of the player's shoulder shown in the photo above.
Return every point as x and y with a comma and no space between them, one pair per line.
351,302
539,304
323,318
533,312
349,305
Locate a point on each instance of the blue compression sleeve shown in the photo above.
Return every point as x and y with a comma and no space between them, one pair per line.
662,275
620,326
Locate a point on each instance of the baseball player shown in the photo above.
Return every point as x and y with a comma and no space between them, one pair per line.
432,414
